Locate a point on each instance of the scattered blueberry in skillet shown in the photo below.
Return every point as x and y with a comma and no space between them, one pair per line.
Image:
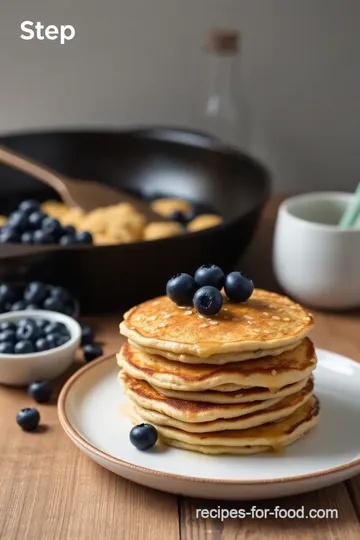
53,304
191,215
84,237
60,293
69,229
52,226
28,206
35,292
238,287
7,293
143,436
43,237
210,274
9,236
18,222
87,335
68,240
40,391
27,237
178,216
181,289
35,219
28,419
208,300
92,351
6,347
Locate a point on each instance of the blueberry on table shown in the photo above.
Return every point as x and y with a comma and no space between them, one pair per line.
9,236
43,237
40,391
87,335
27,331
238,287
42,344
53,304
28,419
35,291
8,335
27,237
28,206
210,274
181,289
24,347
143,436
7,325
18,306
208,300
35,219
51,226
6,347
83,237
7,293
92,351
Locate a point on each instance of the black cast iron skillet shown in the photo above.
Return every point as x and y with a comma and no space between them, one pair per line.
149,163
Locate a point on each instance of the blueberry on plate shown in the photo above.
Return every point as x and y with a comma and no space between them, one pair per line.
7,347
28,331
143,436
7,293
35,291
181,289
9,236
238,287
68,229
35,219
7,325
210,274
18,306
28,419
24,347
92,351
68,240
27,237
52,227
8,335
42,344
84,237
40,391
18,222
53,304
87,335
28,206
208,300
43,237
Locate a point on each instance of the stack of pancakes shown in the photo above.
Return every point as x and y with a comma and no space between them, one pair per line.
239,382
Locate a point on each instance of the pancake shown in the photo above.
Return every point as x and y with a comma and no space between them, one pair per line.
266,321
248,441
188,415
217,359
272,372
242,395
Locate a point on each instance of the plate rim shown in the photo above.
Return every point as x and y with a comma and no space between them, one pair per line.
89,447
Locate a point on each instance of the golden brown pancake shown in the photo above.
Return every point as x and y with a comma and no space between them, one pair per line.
269,372
205,417
266,321
246,441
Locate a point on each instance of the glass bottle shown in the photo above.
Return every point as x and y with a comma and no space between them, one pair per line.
225,113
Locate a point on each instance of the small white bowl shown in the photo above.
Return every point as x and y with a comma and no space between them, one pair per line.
21,369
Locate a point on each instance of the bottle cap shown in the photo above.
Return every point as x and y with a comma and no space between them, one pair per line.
223,41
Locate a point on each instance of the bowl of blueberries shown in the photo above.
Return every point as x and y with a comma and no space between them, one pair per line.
36,345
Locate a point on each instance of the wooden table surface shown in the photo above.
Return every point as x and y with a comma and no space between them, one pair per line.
49,490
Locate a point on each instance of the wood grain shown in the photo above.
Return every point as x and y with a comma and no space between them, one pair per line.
50,490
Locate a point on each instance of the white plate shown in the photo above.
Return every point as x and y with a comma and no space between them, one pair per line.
92,413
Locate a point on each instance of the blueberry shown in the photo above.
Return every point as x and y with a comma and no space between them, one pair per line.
23,322
43,237
7,325
35,291
28,331
84,237
35,219
18,222
40,391
178,216
28,419
191,214
92,351
52,227
181,289
210,274
28,206
24,347
27,237
7,293
9,236
53,304
52,340
31,305
8,335
60,293
7,347
68,240
41,323
42,344
238,287
62,339
87,335
56,327
18,306
68,229
143,436
208,300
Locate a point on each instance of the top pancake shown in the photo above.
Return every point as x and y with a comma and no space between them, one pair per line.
266,321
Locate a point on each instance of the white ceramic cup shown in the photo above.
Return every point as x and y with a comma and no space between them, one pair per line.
314,260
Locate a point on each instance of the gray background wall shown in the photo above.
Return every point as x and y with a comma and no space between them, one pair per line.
141,61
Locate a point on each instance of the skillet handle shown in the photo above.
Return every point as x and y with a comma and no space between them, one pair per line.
179,135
